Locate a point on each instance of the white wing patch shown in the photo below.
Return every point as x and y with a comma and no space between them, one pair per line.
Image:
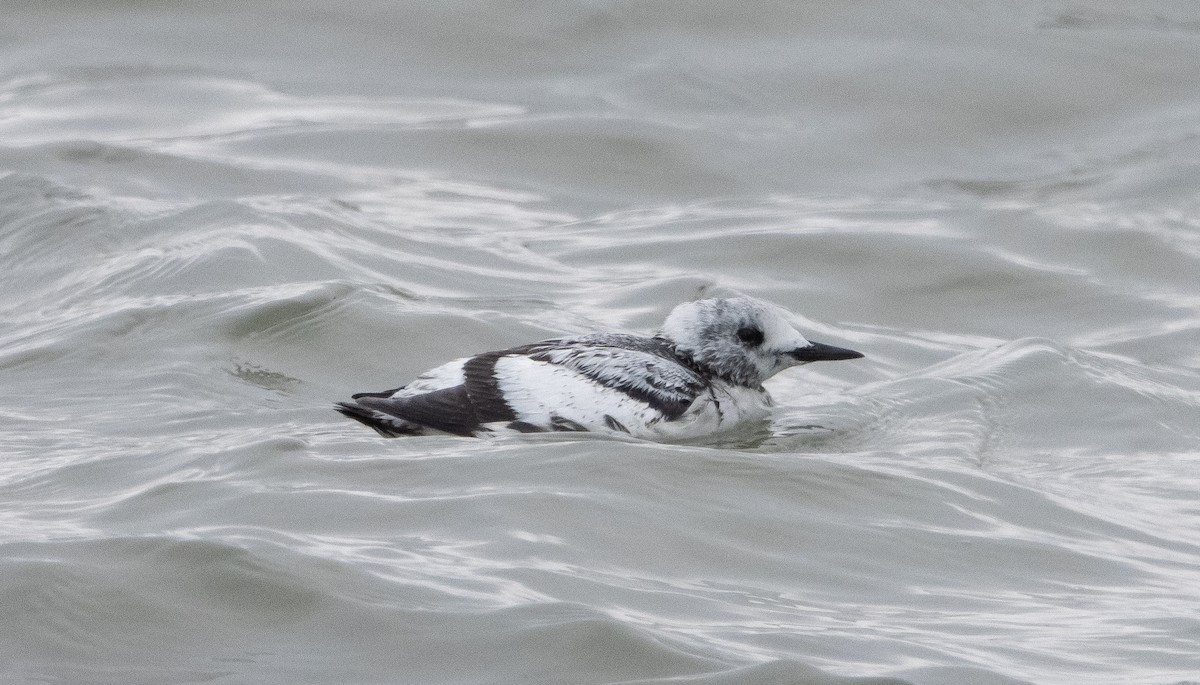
539,391
664,384
447,375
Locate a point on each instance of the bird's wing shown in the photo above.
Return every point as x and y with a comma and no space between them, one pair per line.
644,370
459,409
641,368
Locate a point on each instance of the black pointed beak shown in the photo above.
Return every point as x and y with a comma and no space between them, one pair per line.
820,352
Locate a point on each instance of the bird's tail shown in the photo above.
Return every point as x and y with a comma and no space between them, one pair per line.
387,426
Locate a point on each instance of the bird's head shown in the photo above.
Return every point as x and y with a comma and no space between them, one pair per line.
743,340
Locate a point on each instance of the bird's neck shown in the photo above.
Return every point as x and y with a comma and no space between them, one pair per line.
730,375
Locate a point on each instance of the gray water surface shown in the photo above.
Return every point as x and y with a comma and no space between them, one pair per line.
218,218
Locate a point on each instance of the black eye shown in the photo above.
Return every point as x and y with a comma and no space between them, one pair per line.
751,336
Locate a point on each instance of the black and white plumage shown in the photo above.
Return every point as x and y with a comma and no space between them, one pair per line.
701,374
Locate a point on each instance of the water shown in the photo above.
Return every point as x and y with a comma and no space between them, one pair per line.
218,218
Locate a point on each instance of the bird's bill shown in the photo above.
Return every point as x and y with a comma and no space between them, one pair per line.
820,352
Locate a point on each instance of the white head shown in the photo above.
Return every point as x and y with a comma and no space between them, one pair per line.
743,340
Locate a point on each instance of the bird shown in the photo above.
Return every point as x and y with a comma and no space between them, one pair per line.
701,374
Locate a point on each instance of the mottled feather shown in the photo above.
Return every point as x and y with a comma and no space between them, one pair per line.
646,369
701,374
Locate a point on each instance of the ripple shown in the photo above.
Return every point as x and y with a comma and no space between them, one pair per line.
215,232
46,108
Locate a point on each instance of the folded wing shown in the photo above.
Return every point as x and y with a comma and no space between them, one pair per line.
605,382
644,369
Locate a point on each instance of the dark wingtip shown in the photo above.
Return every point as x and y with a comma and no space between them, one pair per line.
820,352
